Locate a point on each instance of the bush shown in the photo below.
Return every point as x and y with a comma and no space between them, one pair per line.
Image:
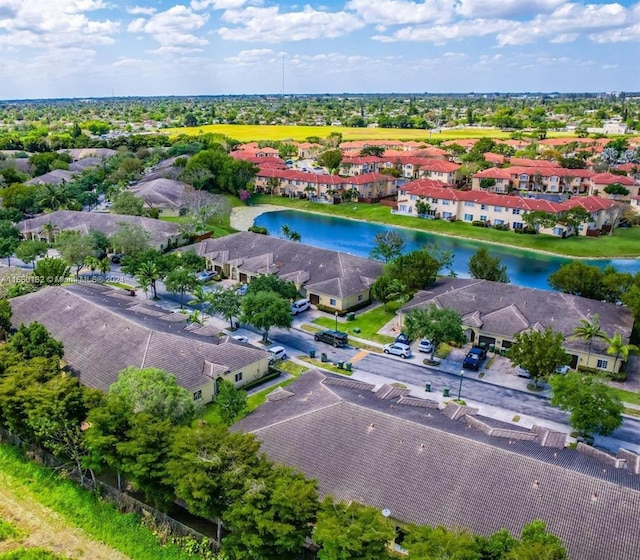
259,229
479,223
588,370
526,231
393,306
501,227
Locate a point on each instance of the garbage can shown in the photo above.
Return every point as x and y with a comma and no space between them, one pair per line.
445,392
427,387
323,357
312,353
340,365
356,330
351,316
347,366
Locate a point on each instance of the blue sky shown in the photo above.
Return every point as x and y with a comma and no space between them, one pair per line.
81,48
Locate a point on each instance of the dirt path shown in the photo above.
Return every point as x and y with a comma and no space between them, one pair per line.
45,528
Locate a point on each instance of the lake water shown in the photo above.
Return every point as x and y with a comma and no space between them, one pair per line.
525,268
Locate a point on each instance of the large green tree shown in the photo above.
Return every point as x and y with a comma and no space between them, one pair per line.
28,251
265,310
226,303
539,353
130,239
51,271
330,159
485,267
34,341
272,518
156,392
351,532
578,279
388,245
127,203
271,283
436,324
230,402
74,248
539,219
617,347
430,543
9,240
593,406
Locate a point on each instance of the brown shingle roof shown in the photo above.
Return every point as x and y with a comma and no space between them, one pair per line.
431,470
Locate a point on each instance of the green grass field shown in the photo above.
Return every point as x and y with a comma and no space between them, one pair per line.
624,243
248,133
369,323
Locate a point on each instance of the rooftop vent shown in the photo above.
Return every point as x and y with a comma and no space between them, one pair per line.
594,497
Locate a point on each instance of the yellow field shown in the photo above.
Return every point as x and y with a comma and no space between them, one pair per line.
248,133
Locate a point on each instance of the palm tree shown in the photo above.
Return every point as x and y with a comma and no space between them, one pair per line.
147,274
589,331
202,298
54,197
618,348
49,229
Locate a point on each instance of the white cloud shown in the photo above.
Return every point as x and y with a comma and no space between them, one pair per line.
440,34
249,56
222,4
570,18
174,27
626,34
271,26
141,10
402,12
174,50
565,38
122,62
54,24
505,8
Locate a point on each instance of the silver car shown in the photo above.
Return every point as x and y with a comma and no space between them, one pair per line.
397,349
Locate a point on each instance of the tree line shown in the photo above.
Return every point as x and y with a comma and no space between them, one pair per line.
145,429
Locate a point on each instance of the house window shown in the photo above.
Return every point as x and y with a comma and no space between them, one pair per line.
403,208
332,302
497,208
446,202
483,218
434,200
517,225
515,211
602,364
469,203
413,197
446,215
468,217
238,376
359,297
197,395
483,207
498,222
558,231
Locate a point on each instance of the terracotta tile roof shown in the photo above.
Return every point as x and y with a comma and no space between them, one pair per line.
525,162
609,178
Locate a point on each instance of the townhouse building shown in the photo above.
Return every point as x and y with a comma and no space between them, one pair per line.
496,209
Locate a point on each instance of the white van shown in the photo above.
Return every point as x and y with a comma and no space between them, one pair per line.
300,306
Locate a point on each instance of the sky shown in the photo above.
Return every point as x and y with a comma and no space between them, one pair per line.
102,48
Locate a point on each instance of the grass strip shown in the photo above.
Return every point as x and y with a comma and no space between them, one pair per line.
83,509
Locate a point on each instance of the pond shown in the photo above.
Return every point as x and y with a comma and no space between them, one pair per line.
525,268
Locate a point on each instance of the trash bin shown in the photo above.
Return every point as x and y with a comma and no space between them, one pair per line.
347,366
340,365
356,330
445,392
312,353
427,387
492,348
351,316
323,357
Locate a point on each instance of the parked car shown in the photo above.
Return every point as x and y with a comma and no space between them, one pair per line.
403,338
277,353
300,306
523,373
474,358
207,275
241,338
425,346
336,338
563,369
116,258
242,289
397,349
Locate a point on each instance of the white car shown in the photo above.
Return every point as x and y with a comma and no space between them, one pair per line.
398,349
241,338
425,346
277,353
300,306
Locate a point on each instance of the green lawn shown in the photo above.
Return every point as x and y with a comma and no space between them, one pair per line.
369,323
624,243
255,400
247,133
626,396
220,226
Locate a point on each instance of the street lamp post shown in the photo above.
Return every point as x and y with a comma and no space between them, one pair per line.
460,386
336,320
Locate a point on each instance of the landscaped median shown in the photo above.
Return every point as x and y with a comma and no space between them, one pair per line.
625,242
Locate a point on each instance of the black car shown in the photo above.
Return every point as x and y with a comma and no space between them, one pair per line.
474,358
336,338
403,338
116,258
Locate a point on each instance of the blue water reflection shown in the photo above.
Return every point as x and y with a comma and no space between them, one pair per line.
525,268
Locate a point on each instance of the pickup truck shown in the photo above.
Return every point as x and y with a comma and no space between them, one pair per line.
474,358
